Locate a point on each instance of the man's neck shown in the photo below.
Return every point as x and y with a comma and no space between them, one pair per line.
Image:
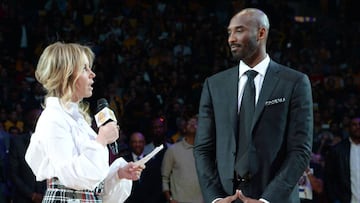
190,139
355,140
158,142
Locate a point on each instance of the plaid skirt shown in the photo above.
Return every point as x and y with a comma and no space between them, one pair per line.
58,193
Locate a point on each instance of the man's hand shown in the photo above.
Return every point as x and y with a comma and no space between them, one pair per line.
245,199
229,199
238,195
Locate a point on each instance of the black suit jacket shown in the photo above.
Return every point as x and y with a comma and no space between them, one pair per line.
281,130
137,192
148,189
337,172
22,177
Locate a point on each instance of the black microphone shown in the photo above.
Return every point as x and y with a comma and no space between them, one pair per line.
104,115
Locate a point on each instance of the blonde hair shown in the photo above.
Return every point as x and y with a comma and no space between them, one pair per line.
58,69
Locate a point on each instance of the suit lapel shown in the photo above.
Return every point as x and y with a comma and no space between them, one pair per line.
231,87
346,159
267,88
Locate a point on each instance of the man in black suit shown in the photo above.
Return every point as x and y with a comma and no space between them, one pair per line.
342,172
136,144
26,188
260,156
148,189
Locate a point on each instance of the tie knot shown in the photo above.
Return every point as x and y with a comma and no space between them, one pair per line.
251,74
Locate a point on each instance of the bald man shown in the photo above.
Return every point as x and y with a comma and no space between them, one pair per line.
255,125
137,145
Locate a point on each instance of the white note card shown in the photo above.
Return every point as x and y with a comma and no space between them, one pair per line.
150,155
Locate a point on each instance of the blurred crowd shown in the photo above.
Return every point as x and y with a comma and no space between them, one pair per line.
153,55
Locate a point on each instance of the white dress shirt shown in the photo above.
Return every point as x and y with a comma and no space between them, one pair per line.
136,157
63,146
355,171
258,80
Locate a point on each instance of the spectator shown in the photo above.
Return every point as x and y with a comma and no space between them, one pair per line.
158,134
137,144
342,168
151,176
179,177
181,130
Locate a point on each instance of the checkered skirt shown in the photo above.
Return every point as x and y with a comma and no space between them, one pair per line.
58,193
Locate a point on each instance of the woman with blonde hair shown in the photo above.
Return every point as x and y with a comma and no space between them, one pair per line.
64,149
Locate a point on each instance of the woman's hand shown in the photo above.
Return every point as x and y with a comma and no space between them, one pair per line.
108,133
131,171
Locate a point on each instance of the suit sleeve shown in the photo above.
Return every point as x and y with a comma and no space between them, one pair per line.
298,140
204,149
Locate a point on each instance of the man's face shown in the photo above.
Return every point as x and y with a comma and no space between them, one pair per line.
191,126
159,128
355,128
137,143
242,37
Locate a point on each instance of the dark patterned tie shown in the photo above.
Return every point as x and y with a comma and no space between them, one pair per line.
246,114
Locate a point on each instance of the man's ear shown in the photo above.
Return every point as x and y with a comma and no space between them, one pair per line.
262,33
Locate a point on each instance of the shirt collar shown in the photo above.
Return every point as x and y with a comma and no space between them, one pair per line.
135,156
186,144
352,142
71,108
260,67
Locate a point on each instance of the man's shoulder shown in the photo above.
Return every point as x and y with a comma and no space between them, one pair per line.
175,146
180,143
343,144
176,149
285,70
286,73
339,149
225,74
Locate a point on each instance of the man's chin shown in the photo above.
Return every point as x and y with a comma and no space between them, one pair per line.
236,57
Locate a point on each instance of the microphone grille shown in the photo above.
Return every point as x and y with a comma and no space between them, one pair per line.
102,103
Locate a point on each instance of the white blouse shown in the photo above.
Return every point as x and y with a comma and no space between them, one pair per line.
63,146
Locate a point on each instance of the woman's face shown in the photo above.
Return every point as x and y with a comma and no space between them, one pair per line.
84,82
